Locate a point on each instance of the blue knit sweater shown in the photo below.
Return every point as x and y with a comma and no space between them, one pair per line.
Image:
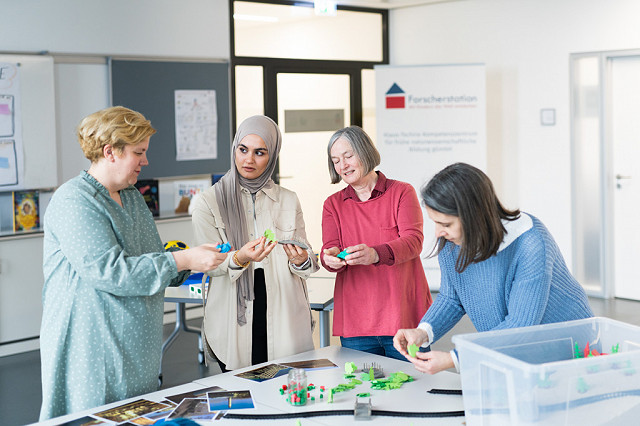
525,283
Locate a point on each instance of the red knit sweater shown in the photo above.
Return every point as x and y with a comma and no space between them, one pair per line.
377,300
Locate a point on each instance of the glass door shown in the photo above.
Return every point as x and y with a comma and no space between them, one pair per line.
311,107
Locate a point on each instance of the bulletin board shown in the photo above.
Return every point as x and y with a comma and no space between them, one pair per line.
149,87
33,123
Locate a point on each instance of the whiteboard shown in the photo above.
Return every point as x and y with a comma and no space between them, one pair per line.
37,92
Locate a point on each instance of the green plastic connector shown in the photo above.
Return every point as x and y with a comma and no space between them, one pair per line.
270,236
350,368
413,350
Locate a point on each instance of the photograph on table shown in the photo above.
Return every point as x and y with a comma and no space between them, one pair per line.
231,400
152,418
267,372
85,421
200,393
130,411
194,409
312,364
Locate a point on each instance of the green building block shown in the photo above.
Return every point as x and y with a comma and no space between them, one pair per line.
413,350
350,368
270,236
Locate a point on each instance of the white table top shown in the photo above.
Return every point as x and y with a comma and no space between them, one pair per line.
411,397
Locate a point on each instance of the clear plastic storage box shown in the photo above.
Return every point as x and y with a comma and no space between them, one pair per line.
531,375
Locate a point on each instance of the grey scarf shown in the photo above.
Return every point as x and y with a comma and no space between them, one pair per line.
230,198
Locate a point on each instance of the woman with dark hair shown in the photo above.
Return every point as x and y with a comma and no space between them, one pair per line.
380,283
257,308
501,267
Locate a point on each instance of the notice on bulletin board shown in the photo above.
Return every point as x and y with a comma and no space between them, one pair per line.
196,125
427,118
11,150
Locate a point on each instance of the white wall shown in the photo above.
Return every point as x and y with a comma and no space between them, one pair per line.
525,45
185,28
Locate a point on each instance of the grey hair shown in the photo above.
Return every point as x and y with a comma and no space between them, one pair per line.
362,147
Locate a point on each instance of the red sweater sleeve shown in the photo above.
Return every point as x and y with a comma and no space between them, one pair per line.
410,221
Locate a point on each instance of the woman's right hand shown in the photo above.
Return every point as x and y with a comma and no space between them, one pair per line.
255,250
331,258
200,259
407,336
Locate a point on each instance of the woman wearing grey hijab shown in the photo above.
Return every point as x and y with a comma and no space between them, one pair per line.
257,307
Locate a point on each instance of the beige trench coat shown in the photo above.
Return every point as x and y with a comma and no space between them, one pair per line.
289,321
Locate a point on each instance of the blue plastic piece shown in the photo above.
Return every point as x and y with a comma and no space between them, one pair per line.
224,248
342,254
195,278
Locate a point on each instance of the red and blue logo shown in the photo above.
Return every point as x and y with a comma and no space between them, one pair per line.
395,97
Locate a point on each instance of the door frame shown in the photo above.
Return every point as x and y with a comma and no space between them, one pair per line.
605,154
273,66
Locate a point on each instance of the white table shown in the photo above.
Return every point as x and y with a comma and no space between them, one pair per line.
412,397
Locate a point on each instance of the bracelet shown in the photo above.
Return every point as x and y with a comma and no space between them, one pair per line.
237,262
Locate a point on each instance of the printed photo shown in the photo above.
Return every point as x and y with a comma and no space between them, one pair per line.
194,409
312,364
130,411
265,373
232,400
200,393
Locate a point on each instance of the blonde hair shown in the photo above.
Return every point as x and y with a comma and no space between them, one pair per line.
116,126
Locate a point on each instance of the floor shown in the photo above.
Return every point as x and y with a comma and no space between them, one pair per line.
21,396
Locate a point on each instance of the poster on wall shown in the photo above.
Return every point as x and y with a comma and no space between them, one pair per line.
196,125
427,118
11,151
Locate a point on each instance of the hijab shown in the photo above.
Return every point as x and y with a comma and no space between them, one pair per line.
229,197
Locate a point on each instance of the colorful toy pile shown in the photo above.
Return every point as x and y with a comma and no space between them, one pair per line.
298,393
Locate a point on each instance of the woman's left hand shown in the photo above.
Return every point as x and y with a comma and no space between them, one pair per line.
296,255
432,362
361,254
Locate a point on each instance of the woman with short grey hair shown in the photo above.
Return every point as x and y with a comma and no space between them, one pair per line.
372,238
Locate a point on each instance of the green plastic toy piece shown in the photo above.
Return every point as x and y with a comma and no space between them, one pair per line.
394,381
582,385
350,368
363,395
400,377
413,350
372,375
615,349
270,236
628,369
577,353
